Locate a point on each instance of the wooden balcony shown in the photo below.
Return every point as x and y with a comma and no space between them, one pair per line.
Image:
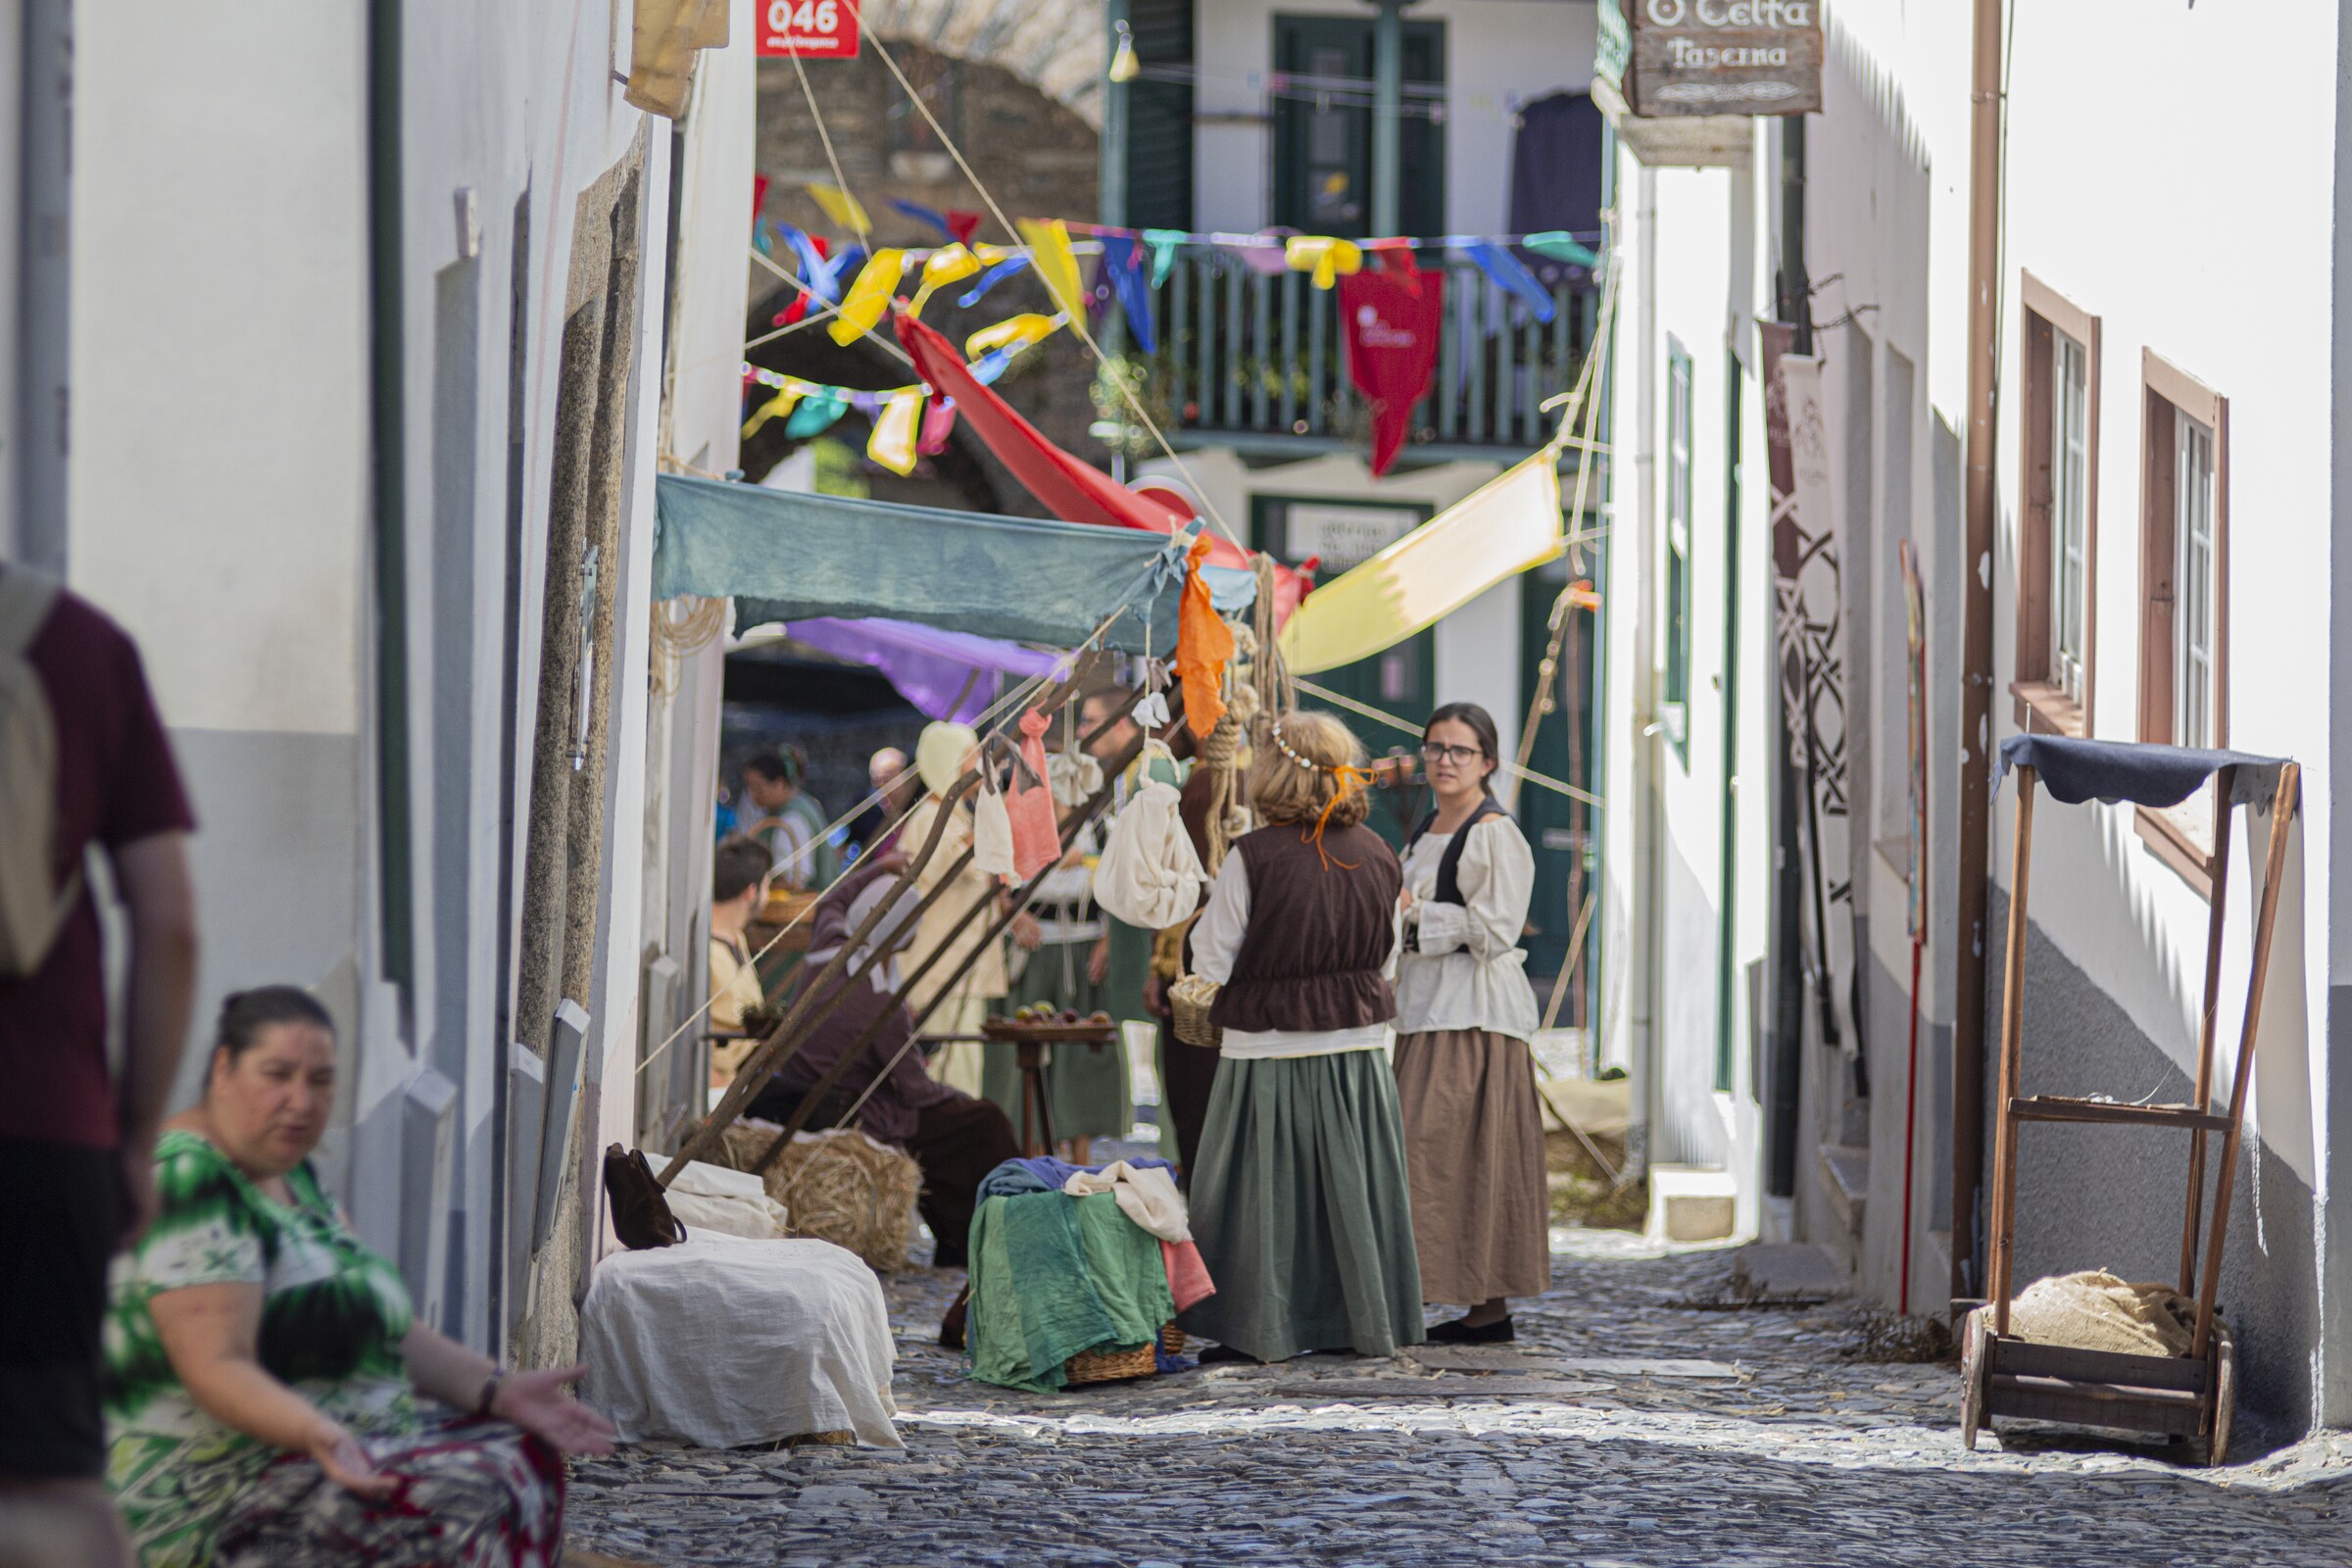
1258,363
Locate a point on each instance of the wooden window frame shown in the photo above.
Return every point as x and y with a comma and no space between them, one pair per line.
1682,471
2043,706
2175,835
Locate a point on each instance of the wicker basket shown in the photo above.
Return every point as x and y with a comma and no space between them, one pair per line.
1189,1001
1113,1366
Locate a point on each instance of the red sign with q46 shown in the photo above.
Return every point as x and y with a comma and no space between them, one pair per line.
813,29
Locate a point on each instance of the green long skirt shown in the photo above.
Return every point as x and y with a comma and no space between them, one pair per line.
1086,1086
1302,1209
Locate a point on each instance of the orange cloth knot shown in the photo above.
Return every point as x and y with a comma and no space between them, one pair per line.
1203,644
1350,777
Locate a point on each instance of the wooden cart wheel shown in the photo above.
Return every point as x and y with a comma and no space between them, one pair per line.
1976,1374
2223,1363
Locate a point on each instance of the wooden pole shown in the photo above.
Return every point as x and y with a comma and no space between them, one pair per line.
2012,1017
2224,783
2283,809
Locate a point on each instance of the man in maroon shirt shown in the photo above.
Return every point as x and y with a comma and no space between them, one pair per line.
77,1144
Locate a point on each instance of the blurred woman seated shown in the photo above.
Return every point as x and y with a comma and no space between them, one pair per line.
954,1137
264,1369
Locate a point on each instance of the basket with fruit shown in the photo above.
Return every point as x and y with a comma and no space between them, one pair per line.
1042,1022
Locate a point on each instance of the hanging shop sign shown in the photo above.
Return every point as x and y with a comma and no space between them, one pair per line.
1676,58
812,30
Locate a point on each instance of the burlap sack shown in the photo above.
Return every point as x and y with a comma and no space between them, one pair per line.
2094,1310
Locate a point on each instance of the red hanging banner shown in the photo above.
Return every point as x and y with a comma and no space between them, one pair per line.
813,29
1393,319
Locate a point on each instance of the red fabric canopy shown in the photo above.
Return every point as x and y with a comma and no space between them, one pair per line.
1073,490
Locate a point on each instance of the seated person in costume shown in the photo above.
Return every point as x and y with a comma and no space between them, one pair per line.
955,1137
265,1372
739,868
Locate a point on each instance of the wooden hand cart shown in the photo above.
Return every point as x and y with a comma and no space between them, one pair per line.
2189,1397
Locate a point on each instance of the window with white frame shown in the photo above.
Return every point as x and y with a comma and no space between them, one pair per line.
2193,527
2070,512
1677,694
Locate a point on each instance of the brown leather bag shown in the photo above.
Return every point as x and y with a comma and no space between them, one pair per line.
641,1215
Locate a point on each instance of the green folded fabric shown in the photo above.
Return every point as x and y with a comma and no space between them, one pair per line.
1054,1275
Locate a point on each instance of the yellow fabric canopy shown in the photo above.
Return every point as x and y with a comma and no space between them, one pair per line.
1505,527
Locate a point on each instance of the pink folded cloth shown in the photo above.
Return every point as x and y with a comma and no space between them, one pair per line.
1187,1276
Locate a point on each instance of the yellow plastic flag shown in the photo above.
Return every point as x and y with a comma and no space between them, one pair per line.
945,266
991,255
868,297
1056,262
775,408
1328,258
894,431
842,207
1507,527
1015,332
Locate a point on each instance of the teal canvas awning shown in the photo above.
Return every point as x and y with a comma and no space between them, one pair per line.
785,555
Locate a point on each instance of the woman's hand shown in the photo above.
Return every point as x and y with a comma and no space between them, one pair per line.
540,1403
1404,901
1026,933
1098,961
338,1454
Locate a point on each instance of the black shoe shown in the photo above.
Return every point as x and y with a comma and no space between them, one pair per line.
952,1326
1460,1332
1226,1352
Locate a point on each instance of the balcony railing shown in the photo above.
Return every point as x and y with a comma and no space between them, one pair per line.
1253,361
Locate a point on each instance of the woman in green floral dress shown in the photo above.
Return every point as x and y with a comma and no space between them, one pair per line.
264,1366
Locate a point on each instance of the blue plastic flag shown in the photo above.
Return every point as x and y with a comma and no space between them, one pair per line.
1561,246
817,413
992,278
1125,266
1505,272
926,214
1163,243
822,275
988,366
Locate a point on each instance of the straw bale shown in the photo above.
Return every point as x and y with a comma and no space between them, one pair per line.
839,1186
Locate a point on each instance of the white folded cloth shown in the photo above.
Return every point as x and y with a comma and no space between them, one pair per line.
1148,1197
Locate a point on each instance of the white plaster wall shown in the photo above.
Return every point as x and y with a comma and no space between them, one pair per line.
1498,55
218,472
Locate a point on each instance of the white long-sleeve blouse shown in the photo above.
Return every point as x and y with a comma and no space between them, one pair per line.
1464,968
1218,945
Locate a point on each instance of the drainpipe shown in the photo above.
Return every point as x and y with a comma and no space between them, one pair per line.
1648,988
1388,105
43,222
1972,878
1110,179
1783,1104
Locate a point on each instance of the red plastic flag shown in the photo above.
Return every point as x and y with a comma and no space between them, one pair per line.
1393,319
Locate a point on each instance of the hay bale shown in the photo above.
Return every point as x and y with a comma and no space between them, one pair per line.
837,1186
2094,1310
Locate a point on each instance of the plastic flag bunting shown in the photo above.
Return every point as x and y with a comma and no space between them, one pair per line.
939,423
1123,264
869,297
990,366
775,408
926,215
962,224
817,413
1163,243
1056,262
1328,258
945,266
1507,273
1561,246
895,431
1013,333
841,207
821,276
762,241
992,278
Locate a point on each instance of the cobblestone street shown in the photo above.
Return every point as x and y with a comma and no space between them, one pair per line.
1632,1426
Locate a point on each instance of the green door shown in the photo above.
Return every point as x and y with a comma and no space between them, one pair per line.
1562,831
1323,127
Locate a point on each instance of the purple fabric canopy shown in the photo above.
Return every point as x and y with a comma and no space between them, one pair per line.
929,667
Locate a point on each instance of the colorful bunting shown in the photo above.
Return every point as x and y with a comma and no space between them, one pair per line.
1508,273
1561,246
896,428
1056,262
995,275
945,266
1163,243
939,424
775,408
1328,258
928,216
820,274
869,297
1013,333
816,414
1123,265
841,207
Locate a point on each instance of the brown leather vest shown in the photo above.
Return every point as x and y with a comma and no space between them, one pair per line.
1319,931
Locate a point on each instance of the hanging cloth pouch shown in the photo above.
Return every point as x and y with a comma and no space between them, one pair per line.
1036,831
992,832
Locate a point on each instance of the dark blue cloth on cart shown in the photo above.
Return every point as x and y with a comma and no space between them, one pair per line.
1043,1173
2077,770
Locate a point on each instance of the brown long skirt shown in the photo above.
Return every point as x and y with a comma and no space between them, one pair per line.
1474,1156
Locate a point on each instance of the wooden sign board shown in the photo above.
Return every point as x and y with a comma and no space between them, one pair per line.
813,29
1671,59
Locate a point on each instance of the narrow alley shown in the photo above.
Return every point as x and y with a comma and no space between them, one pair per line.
1640,1420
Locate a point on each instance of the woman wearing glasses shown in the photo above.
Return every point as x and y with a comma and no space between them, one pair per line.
1465,1080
